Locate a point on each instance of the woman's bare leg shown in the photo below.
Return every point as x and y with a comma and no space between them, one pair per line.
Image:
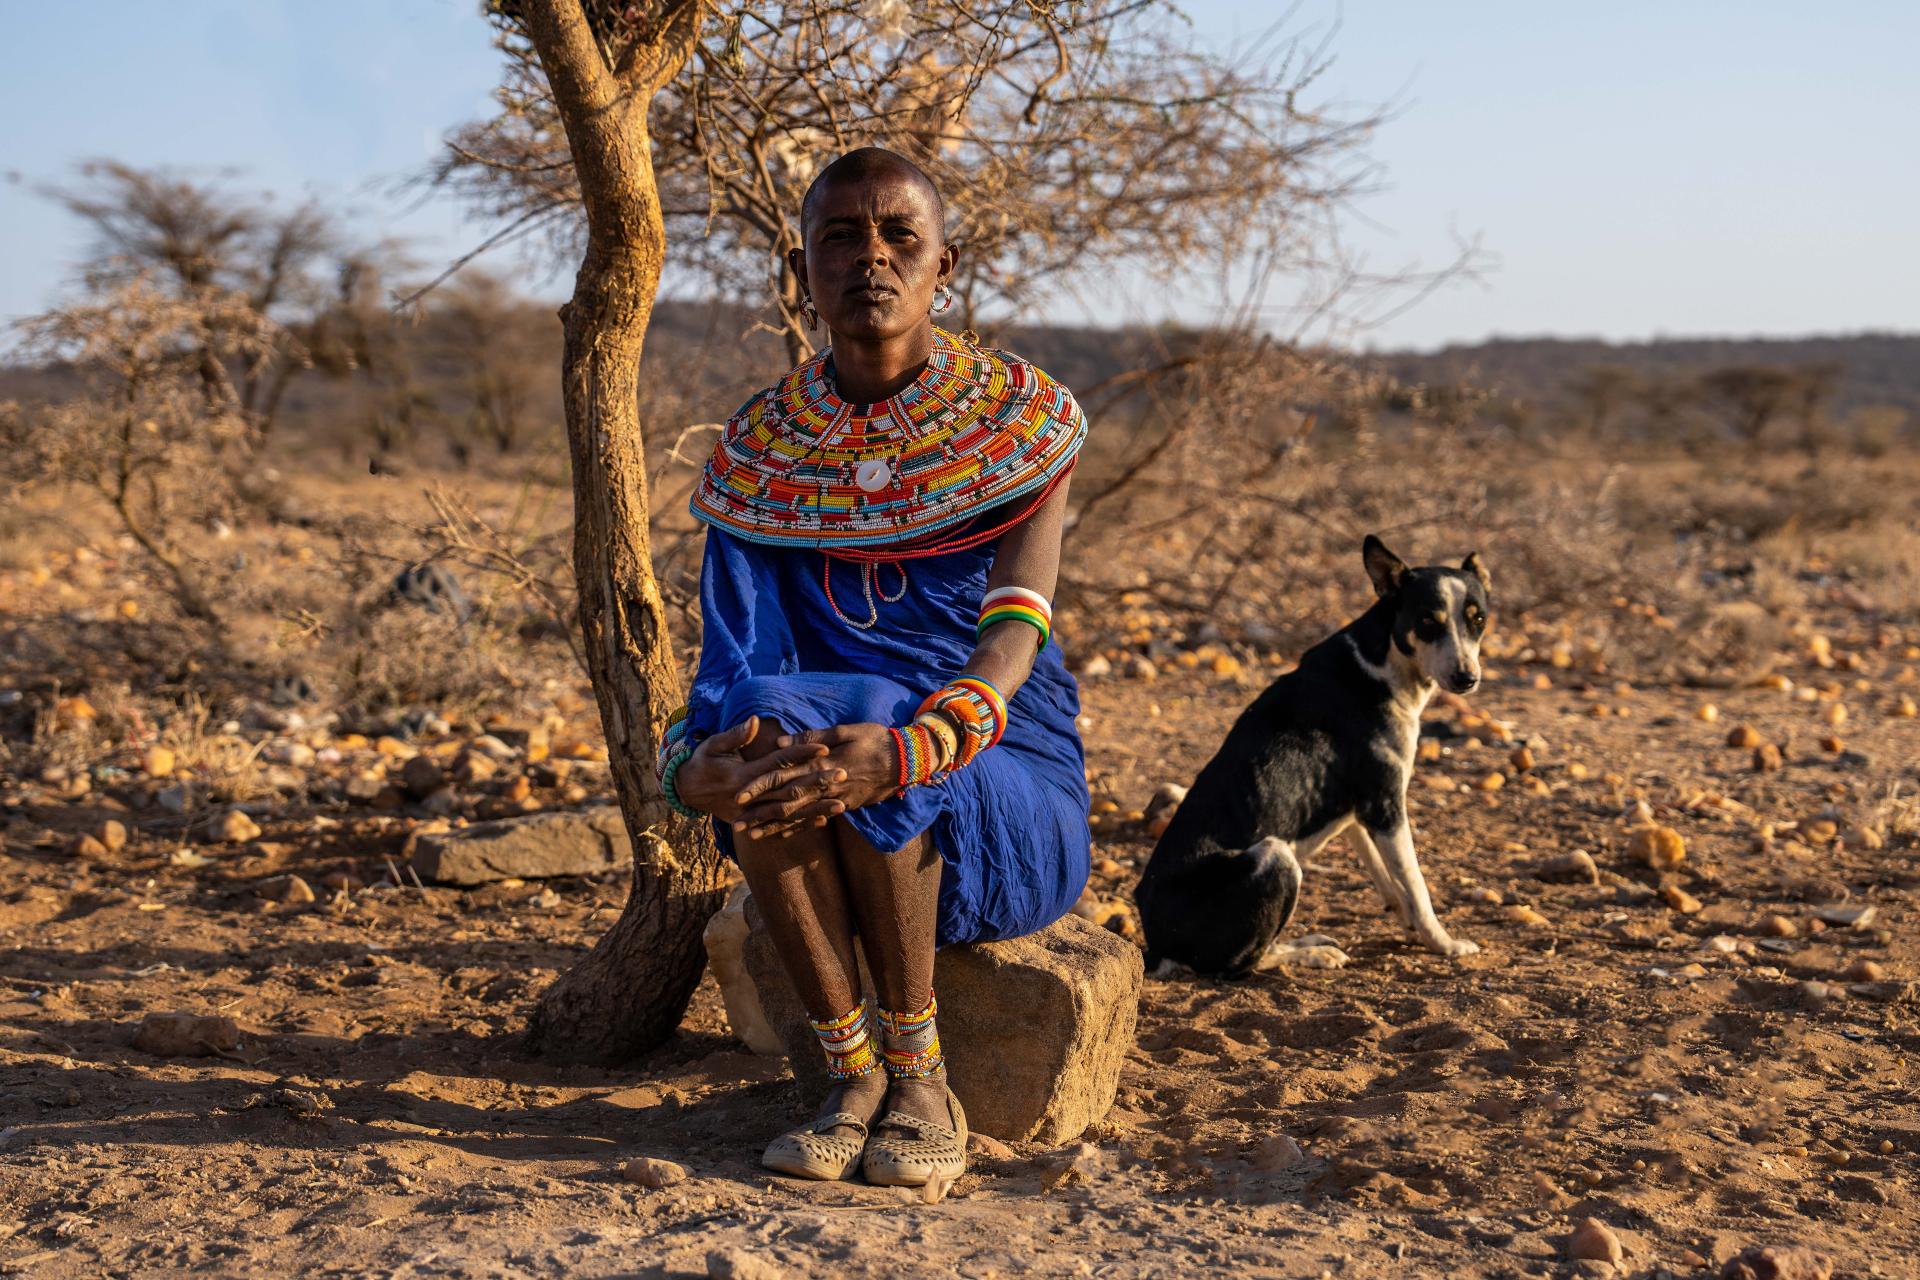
896,898
797,883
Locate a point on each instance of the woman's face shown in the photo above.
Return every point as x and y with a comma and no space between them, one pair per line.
874,256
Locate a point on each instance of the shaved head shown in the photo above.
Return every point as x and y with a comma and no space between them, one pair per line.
867,165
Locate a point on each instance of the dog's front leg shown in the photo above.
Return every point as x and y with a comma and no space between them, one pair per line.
1377,870
1395,844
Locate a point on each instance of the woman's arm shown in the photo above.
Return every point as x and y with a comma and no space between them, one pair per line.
861,755
1028,556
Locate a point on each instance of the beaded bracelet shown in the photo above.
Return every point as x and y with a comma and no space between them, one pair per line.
670,788
1016,604
676,748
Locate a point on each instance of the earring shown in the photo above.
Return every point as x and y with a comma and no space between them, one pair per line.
942,301
809,313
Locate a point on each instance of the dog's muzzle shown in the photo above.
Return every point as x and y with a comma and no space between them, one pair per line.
1464,681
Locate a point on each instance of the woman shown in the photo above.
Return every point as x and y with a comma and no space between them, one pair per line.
880,727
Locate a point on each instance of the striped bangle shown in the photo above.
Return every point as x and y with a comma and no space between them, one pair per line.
976,708
1016,604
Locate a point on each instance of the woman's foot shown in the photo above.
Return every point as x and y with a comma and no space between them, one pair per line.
922,1135
922,1097
829,1147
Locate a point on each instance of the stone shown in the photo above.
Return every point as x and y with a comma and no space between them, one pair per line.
234,827
1592,1238
85,846
493,748
112,835
565,843
738,1264
1034,1029
651,1172
1778,926
1095,668
725,938
1575,865
421,777
1658,847
1679,899
289,889
1853,917
1277,1154
1767,758
471,768
1777,1262
1864,971
1522,914
157,761
992,1148
186,1035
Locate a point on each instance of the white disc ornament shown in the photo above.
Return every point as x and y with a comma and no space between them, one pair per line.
873,475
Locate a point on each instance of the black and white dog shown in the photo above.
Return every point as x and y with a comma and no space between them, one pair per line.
1327,748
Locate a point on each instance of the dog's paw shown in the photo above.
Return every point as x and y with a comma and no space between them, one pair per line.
1454,948
1315,951
1323,957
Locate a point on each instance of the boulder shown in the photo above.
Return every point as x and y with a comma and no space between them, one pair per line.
569,843
1034,1029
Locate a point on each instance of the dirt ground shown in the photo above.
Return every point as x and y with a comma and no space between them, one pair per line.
1705,1056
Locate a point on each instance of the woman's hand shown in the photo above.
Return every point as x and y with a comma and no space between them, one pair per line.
718,778
859,768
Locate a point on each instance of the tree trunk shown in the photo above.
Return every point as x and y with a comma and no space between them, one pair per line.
629,993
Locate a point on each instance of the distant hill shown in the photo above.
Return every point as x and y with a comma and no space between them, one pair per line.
1873,368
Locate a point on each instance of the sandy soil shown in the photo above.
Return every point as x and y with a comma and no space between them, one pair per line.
1699,1075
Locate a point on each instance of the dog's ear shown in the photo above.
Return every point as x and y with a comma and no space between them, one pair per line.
1474,565
1385,568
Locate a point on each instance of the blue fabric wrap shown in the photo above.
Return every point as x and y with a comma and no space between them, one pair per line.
1011,827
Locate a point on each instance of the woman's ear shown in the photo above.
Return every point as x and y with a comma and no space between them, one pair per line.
797,263
949,262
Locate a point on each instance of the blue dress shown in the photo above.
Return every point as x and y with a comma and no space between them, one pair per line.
1011,827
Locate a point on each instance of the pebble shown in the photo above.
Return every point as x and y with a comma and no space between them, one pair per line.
157,761
1526,915
1576,864
421,777
1854,917
1744,735
113,835
1140,667
235,827
1679,899
649,1171
1767,758
186,1035
1481,893
290,889
86,846
1658,847
1492,781
1277,1153
738,1264
1777,1262
991,1148
492,747
1592,1238
173,799
1865,971
1095,668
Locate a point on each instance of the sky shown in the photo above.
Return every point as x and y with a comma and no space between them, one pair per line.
1630,170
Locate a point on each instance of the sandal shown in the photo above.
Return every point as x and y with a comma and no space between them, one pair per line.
896,1160
812,1152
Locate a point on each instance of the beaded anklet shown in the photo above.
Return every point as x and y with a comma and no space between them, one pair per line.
847,1044
1016,604
911,1048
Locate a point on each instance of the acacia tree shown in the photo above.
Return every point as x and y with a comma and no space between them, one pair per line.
146,430
204,245
602,75
1068,138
